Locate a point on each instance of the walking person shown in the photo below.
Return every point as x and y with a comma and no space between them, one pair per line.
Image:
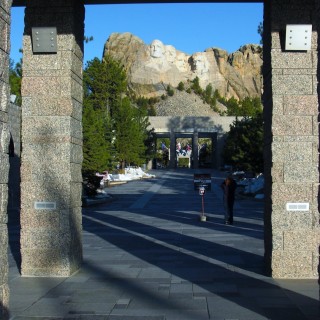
229,187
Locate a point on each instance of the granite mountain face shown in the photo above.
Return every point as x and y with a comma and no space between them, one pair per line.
151,68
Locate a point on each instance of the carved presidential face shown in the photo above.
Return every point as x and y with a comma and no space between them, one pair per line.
157,49
182,62
170,53
200,63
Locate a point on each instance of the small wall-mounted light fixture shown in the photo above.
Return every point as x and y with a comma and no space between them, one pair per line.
44,40
298,37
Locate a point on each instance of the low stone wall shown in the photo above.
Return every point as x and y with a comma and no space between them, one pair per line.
218,124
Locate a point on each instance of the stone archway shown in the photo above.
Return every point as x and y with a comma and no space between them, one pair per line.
291,105
195,128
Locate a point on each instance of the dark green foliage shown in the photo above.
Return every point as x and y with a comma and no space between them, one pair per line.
216,94
250,106
183,162
130,134
88,39
195,86
208,93
205,152
104,83
170,91
153,100
147,104
233,107
180,86
96,148
210,97
246,107
162,154
90,184
15,76
152,111
145,134
114,130
150,144
244,144
260,31
142,102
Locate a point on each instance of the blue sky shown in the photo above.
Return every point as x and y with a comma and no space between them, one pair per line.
188,27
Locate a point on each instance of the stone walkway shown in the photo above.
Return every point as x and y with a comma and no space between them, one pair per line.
148,257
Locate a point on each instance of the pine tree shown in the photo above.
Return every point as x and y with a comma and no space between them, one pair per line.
129,135
207,94
250,106
244,144
104,82
260,31
15,76
96,148
196,86
114,130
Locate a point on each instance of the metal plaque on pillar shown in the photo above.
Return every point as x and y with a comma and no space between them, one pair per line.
44,40
298,37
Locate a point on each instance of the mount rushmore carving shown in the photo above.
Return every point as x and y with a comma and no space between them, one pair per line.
151,68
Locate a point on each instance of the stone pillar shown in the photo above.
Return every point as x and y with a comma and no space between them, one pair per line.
214,154
51,180
195,150
5,10
291,106
173,155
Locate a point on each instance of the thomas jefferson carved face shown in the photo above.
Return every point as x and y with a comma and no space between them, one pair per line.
157,49
170,53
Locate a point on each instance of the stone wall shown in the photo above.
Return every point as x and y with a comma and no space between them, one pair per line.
292,143
5,10
51,159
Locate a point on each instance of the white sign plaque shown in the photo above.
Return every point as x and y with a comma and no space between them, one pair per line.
44,205
297,206
298,37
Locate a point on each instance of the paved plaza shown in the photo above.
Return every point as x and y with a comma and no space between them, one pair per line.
147,256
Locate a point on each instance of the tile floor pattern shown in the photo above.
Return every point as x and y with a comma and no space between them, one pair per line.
148,257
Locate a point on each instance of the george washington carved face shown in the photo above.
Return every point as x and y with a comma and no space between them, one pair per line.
157,49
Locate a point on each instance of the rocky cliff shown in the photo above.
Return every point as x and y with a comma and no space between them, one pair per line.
151,68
